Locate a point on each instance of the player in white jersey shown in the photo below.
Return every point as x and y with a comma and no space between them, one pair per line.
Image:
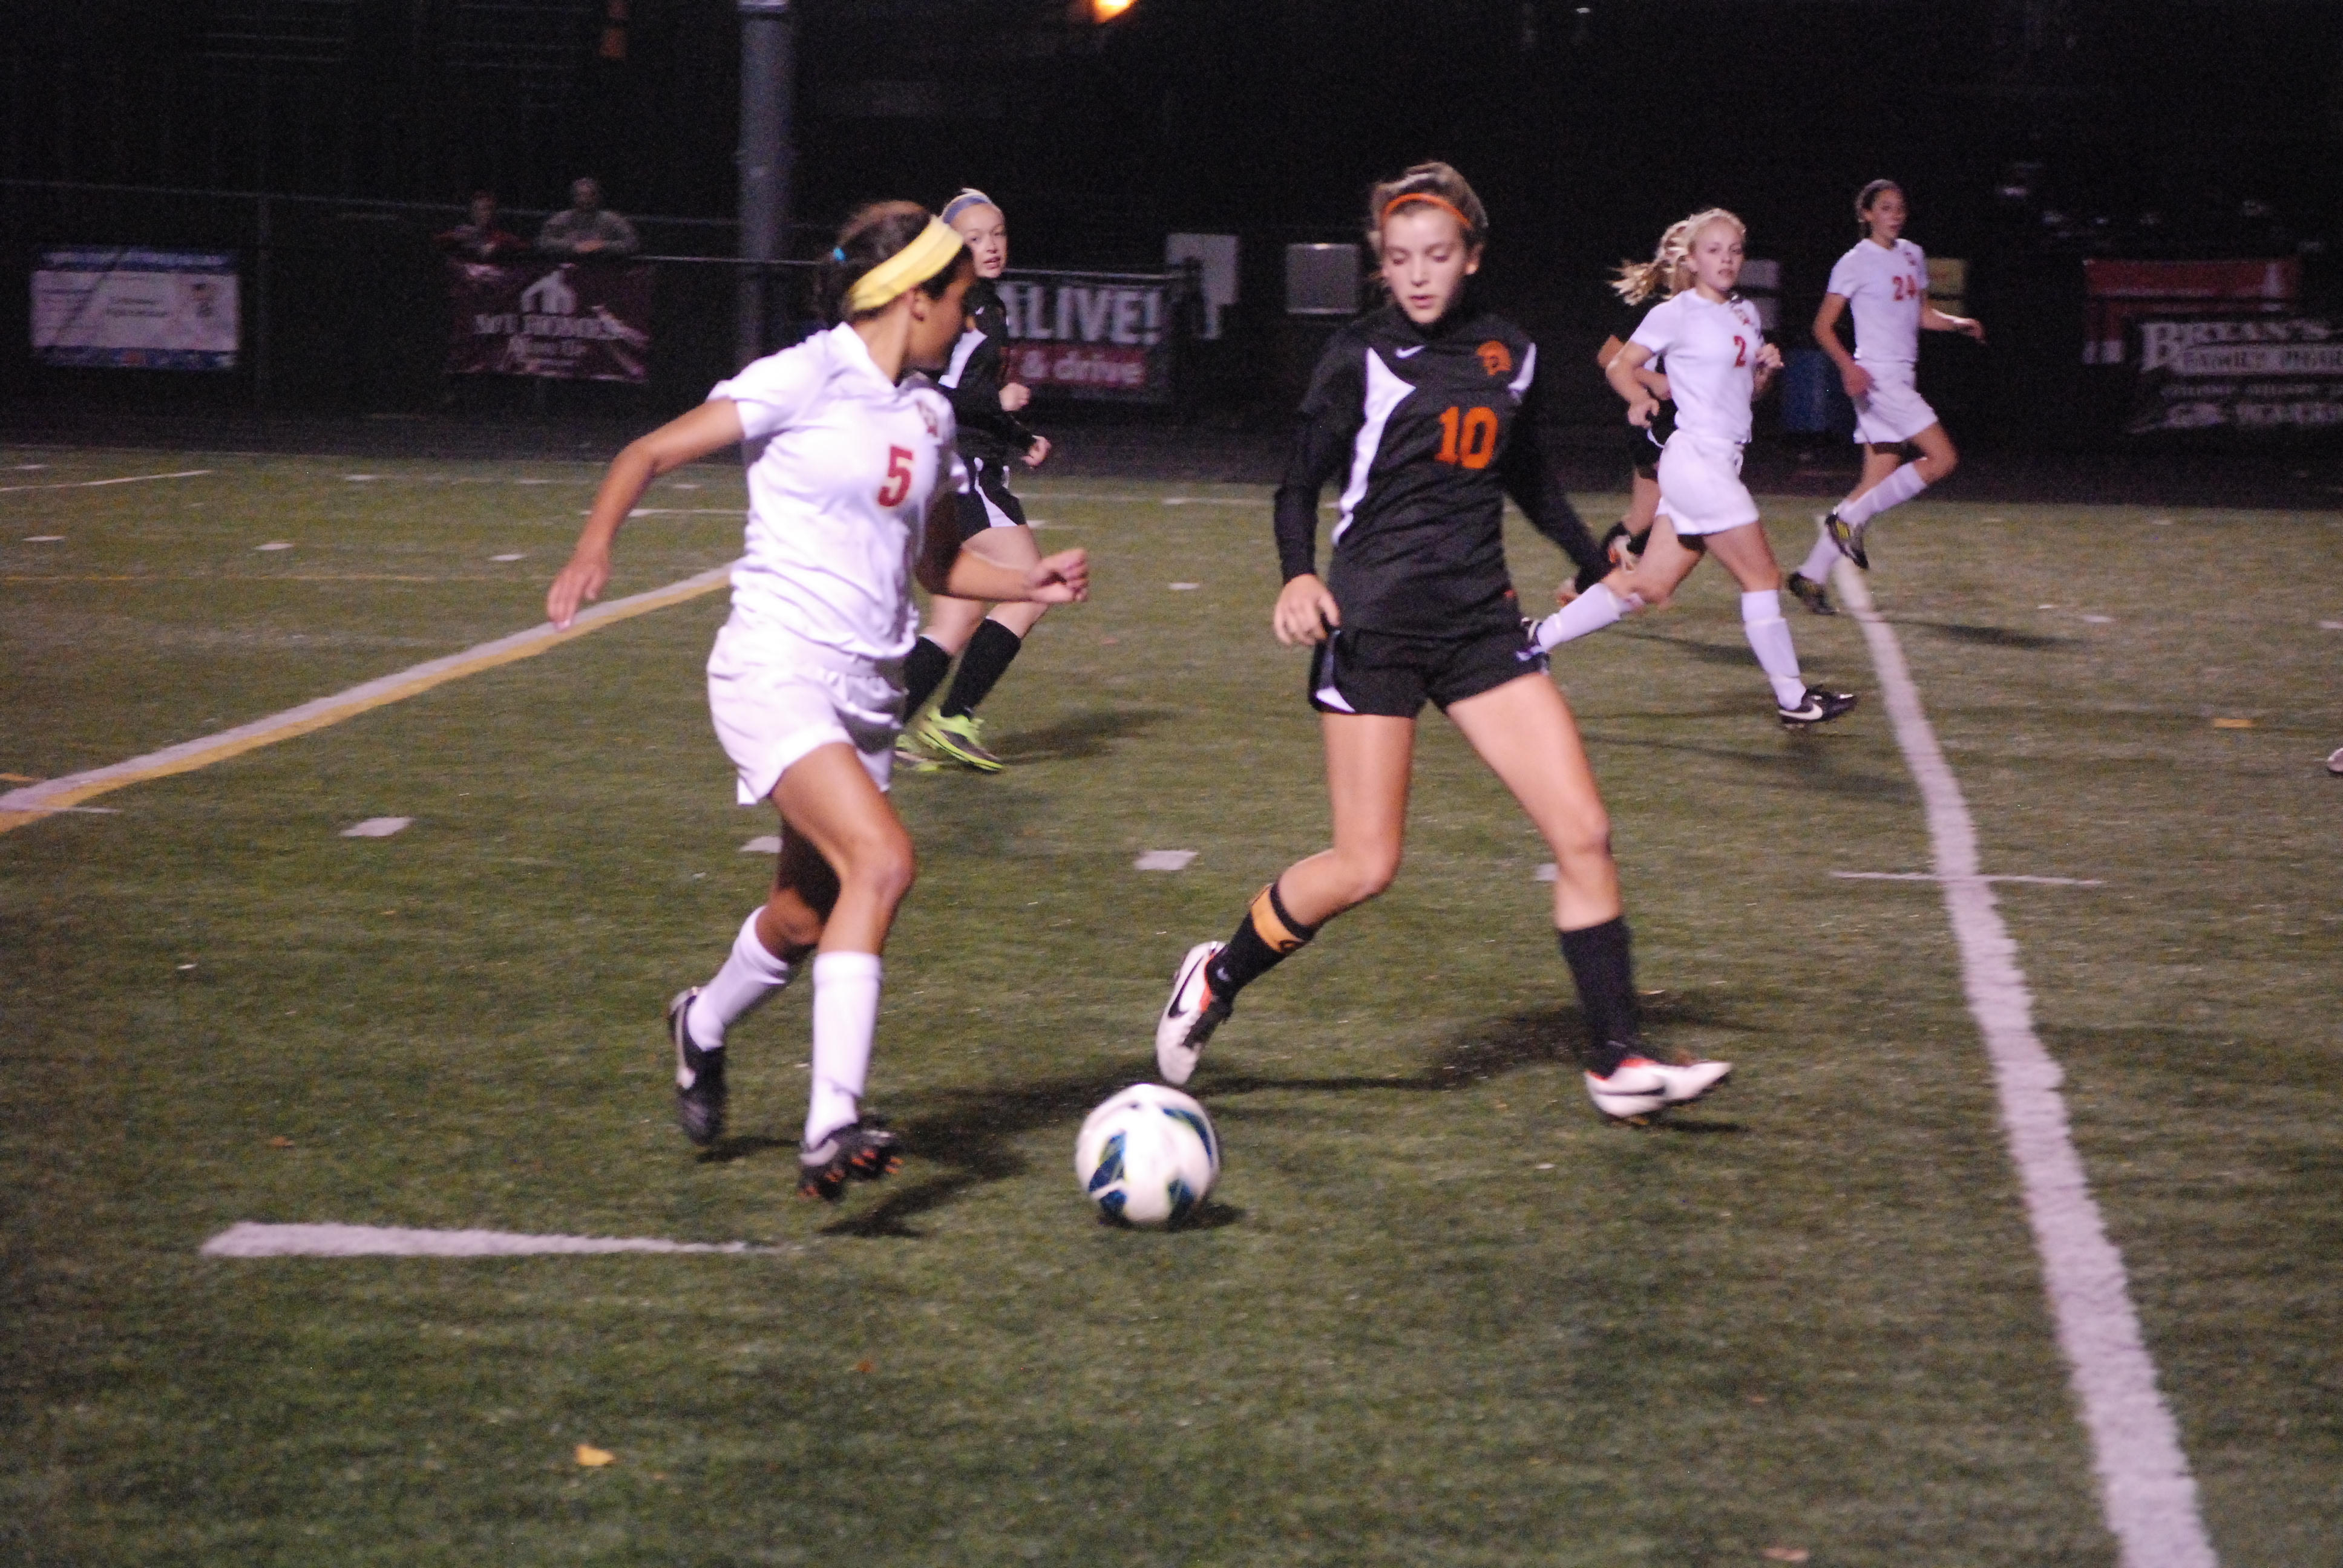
851,470
1885,281
1718,361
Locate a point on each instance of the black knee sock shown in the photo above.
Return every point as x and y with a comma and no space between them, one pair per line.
982,662
1266,936
923,670
1598,960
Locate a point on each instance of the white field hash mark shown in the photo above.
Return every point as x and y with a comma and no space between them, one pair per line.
2145,1491
1163,860
252,1239
378,826
94,484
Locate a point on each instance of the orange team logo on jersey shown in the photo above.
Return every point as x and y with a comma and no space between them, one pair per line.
1495,357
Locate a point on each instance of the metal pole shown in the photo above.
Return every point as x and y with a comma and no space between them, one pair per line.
768,88
260,258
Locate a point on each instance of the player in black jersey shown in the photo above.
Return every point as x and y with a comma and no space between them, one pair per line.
1429,406
985,400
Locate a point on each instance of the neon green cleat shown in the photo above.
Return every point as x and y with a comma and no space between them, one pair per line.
913,754
958,738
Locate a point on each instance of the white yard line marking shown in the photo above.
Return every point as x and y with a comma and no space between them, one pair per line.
1933,876
94,484
769,844
2146,1490
32,803
1163,860
378,826
250,1239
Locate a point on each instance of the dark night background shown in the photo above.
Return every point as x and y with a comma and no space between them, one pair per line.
2029,133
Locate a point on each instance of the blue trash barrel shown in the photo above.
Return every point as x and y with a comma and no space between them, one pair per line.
1813,402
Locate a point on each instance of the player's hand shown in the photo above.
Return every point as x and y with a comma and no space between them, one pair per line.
1969,327
1565,593
1856,380
1015,394
1769,357
1039,452
1061,578
580,582
1643,410
1305,612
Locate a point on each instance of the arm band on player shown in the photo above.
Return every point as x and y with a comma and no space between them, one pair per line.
913,264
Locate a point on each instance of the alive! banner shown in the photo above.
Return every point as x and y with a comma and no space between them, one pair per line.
2254,373
1107,336
568,321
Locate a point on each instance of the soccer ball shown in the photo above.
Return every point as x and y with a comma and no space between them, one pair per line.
1147,1156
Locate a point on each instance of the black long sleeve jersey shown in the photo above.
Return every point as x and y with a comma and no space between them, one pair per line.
973,379
1435,427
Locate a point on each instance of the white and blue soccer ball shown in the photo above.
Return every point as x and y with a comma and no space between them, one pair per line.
1147,1156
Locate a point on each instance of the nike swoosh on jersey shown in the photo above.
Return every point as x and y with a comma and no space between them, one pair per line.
1407,353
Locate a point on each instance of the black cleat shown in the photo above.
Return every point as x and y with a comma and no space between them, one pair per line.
1811,594
861,1151
1849,540
1818,707
699,1077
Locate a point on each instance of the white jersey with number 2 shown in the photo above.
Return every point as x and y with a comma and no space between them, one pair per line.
842,463
1885,287
1712,353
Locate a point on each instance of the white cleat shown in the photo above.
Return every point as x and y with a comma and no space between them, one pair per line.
1640,1087
1189,1018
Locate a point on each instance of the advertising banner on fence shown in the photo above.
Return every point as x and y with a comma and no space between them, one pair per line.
2243,372
117,307
571,321
1093,334
2120,293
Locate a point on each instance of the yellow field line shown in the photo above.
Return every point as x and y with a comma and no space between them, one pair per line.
37,801
206,577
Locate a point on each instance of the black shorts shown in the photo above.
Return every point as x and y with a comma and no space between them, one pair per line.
987,503
1379,673
1643,446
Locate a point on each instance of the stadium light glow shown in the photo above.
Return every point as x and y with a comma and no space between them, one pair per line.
1108,10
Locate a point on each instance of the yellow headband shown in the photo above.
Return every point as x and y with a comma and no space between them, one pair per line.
914,264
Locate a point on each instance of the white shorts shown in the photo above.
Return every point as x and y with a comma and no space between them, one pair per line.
1700,484
775,697
1894,411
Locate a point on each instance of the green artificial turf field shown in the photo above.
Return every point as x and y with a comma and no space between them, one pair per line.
1436,1314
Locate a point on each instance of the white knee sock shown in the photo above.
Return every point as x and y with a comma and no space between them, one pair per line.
1590,612
845,1017
1816,567
746,981
1892,491
1769,640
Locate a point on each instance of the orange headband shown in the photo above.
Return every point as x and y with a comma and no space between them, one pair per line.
1443,202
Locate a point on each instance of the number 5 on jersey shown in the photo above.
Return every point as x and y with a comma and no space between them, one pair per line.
898,477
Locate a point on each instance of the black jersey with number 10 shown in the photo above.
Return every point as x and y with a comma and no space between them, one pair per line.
1433,429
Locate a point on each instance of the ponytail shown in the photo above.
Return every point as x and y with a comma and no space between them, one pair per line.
1669,272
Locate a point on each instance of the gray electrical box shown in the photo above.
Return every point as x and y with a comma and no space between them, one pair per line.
1321,280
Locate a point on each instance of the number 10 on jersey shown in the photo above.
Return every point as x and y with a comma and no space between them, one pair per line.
1468,437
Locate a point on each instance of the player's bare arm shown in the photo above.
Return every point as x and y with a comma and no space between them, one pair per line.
711,427
1935,320
1851,376
946,568
1305,612
1623,372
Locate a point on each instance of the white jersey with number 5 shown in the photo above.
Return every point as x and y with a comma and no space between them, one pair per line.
842,463
1712,353
1885,287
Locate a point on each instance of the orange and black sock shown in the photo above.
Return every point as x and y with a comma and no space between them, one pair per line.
1265,937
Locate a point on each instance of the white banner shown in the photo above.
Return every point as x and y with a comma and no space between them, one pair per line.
142,309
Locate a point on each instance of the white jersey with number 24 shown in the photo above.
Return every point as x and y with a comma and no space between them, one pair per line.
842,464
1885,287
1712,353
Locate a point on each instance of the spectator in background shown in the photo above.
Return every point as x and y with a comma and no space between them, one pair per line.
584,229
480,237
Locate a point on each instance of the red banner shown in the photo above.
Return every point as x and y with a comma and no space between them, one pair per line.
563,321
2124,292
1094,334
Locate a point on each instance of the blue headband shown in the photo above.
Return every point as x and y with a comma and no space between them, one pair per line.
968,197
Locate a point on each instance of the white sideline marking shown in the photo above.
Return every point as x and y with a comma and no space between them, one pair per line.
45,539
378,826
2146,1490
1163,861
34,801
93,484
1933,876
769,844
274,545
1186,587
1548,872
250,1239
513,556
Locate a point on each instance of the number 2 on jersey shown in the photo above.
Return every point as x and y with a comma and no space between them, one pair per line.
1468,437
898,477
